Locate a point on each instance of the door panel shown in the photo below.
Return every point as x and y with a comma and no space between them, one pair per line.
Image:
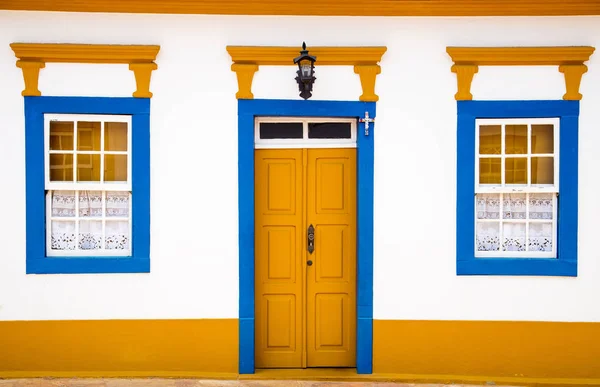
305,315
331,280
279,265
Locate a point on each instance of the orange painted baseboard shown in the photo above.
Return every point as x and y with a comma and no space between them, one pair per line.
496,348
119,347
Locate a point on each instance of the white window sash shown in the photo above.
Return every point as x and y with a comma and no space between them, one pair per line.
518,188
304,142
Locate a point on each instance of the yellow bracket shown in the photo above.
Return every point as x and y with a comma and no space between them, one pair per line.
568,59
33,56
247,59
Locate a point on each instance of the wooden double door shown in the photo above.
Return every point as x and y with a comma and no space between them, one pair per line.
305,258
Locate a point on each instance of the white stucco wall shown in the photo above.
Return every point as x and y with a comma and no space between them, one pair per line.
194,253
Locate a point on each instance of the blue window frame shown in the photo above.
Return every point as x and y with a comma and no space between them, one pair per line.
247,111
37,260
565,263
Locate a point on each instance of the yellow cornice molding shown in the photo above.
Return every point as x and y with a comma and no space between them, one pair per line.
247,59
568,59
33,56
319,7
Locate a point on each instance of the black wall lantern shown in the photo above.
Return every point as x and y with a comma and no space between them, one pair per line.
306,72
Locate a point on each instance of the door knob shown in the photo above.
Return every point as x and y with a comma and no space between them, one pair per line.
309,263
311,239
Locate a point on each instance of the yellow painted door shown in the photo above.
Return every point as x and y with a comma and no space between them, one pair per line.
305,314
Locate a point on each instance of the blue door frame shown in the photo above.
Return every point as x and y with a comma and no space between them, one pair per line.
247,111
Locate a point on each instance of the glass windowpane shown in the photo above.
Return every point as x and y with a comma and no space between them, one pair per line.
329,130
271,130
540,236
514,206
541,206
88,136
488,206
516,139
88,167
63,204
115,136
61,167
490,139
489,171
542,170
115,168
117,235
61,135
542,139
90,203
117,204
516,170
488,236
513,236
62,235
90,235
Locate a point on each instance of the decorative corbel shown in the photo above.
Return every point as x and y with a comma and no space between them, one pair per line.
245,75
368,75
31,73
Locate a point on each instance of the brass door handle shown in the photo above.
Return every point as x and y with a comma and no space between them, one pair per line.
311,239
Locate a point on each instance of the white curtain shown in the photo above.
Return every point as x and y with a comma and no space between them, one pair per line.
90,237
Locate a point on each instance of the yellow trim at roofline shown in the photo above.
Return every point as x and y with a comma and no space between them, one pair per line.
319,7
568,59
247,59
33,56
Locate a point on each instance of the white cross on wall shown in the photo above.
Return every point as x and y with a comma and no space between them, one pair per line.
366,120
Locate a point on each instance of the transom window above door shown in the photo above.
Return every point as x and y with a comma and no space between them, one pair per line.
302,132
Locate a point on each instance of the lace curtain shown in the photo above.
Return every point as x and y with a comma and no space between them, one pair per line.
90,217
489,207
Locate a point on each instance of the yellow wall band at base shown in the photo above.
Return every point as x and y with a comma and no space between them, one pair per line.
503,352
119,348
498,348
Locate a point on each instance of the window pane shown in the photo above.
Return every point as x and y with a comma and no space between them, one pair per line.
490,139
61,135
488,236
514,207
63,203
269,130
329,130
540,206
542,170
516,139
115,136
542,138
516,170
115,168
90,235
117,235
117,204
540,236
61,167
513,237
90,203
62,235
88,167
88,136
489,171
488,206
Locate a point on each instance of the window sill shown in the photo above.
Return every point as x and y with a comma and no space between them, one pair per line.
87,265
517,266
